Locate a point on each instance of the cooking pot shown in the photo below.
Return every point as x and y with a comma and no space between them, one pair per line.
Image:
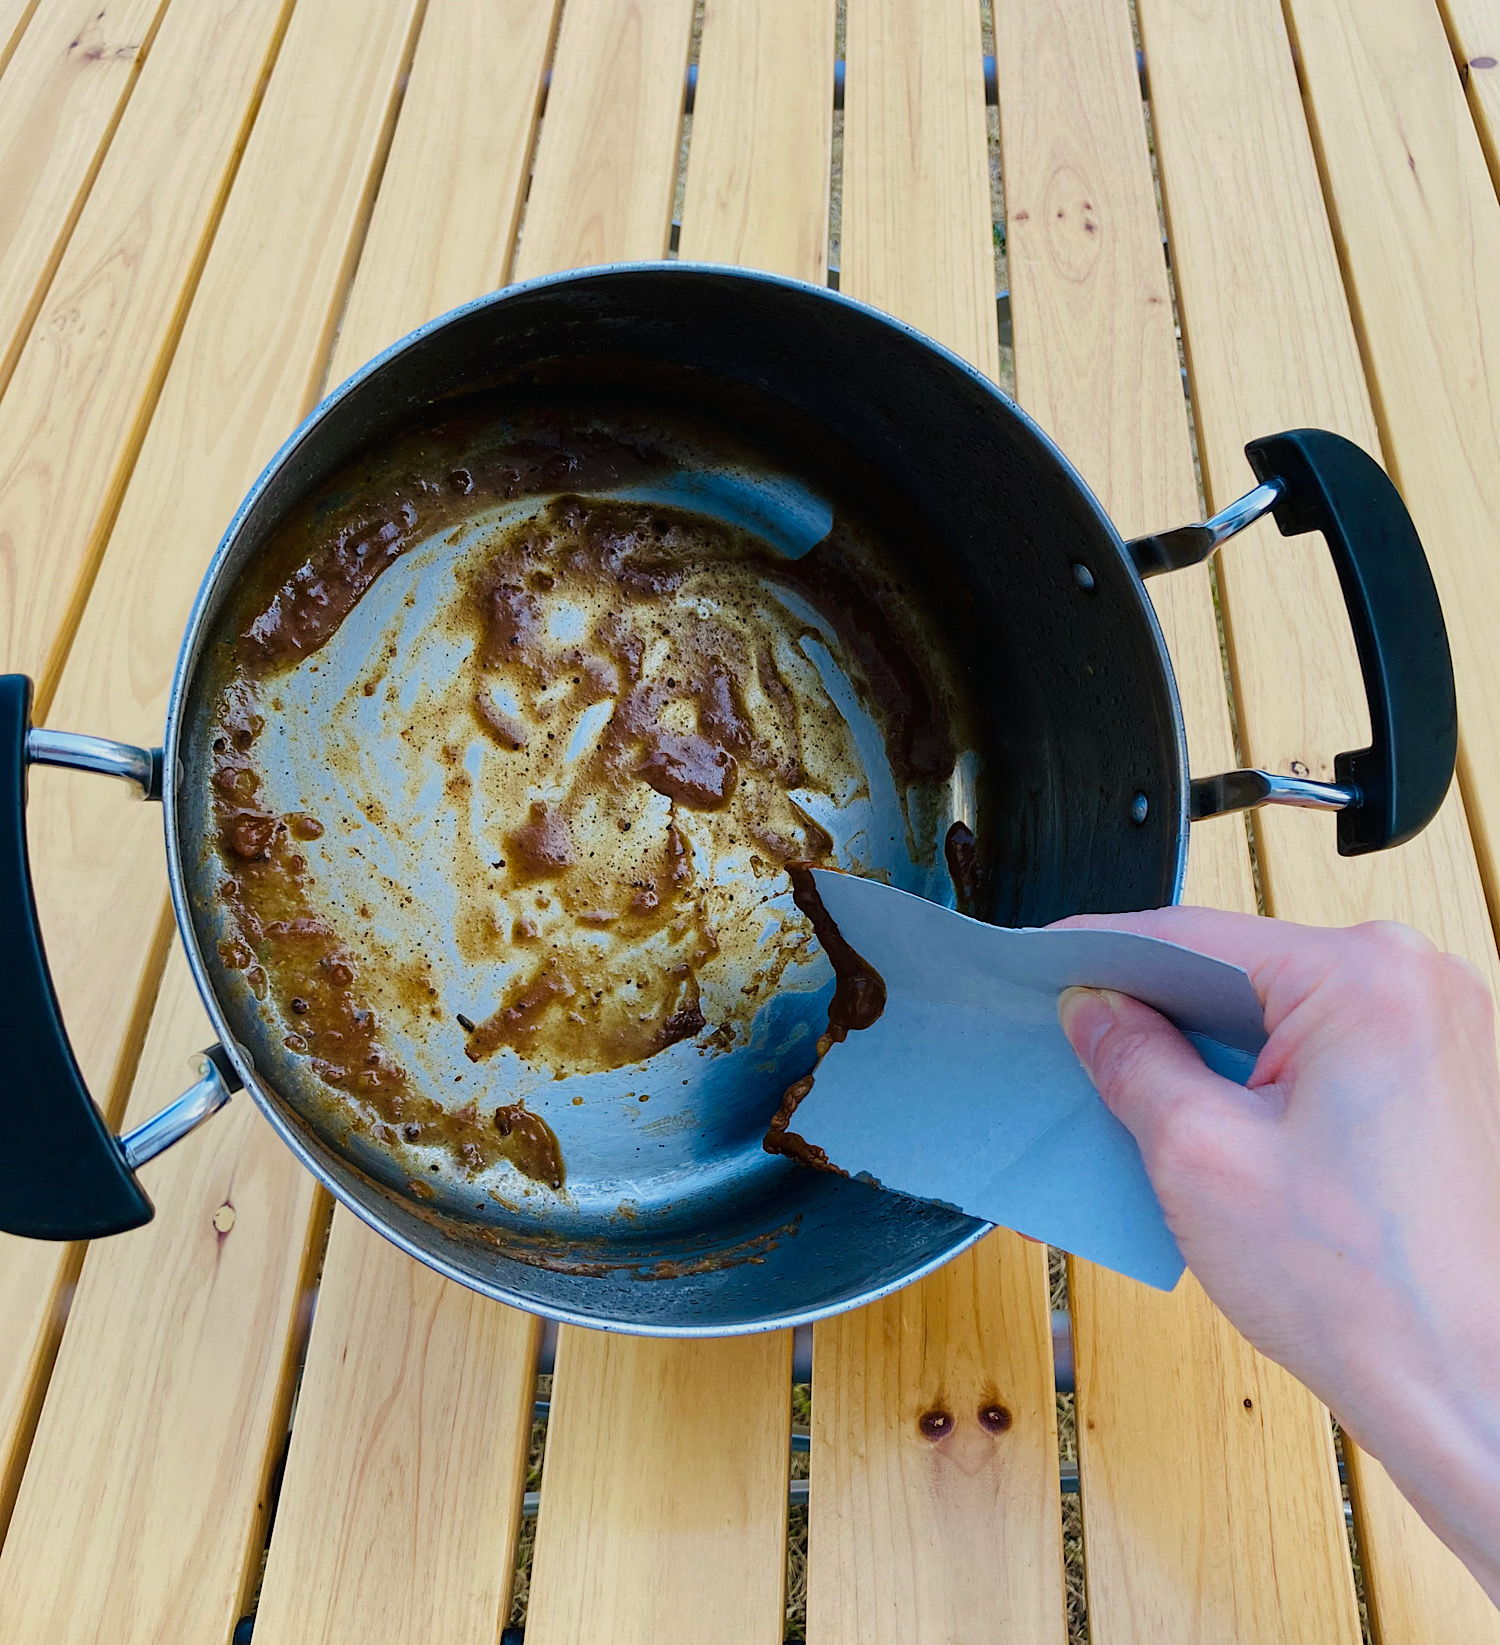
1087,797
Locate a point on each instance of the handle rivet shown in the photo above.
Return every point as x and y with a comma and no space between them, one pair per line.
1083,576
1140,809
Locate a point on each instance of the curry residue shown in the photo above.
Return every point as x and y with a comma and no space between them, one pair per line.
636,706
858,1001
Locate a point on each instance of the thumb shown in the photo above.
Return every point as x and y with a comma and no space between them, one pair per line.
1145,1070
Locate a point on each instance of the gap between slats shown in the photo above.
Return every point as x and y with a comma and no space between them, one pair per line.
25,320
14,18
130,447
1230,694
155,955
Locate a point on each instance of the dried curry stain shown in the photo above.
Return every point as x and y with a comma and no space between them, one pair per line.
962,857
858,1000
680,728
686,735
529,1144
312,974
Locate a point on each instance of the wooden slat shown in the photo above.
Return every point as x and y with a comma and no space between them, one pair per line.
911,1538
606,165
1272,346
250,359
144,222
664,1492
757,182
1417,222
84,384
68,82
469,118
1202,1519
1474,32
402,1496
36,1289
14,17
955,1538
916,228
140,1517
399,1511
1418,1592
1419,227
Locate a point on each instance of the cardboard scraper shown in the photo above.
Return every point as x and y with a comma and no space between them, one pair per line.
965,1090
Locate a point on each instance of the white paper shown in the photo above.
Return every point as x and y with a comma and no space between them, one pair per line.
966,1090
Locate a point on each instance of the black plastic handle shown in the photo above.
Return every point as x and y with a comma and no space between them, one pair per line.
1331,485
65,1175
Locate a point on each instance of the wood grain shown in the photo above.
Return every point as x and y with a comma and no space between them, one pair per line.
1271,345
36,1291
921,1533
470,118
402,1497
15,15
1417,222
250,359
1474,33
399,1511
902,1530
87,376
68,83
916,227
757,180
1417,227
140,1515
1210,1496
664,1495
250,363
1204,1517
606,162
663,1491
1418,1592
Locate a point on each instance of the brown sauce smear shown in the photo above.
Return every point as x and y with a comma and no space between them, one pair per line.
868,615
542,847
290,949
303,613
962,857
858,1000
680,726
707,735
528,1143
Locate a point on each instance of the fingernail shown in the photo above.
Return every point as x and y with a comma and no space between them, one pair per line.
1086,1015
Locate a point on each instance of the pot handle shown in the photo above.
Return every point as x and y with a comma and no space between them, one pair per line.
67,1176
1312,480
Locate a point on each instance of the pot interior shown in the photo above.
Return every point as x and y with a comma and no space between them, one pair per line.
663,1212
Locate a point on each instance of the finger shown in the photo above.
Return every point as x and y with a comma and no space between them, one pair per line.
1145,1070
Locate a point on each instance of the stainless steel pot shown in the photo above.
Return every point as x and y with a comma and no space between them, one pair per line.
1088,797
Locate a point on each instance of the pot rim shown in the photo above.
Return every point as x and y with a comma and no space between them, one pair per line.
204,601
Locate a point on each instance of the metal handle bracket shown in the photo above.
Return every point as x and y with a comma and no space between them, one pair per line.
216,1084
140,767
1245,790
1192,544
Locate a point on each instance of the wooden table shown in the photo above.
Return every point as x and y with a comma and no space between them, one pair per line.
212,209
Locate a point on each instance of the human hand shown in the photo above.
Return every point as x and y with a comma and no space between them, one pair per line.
1344,1209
